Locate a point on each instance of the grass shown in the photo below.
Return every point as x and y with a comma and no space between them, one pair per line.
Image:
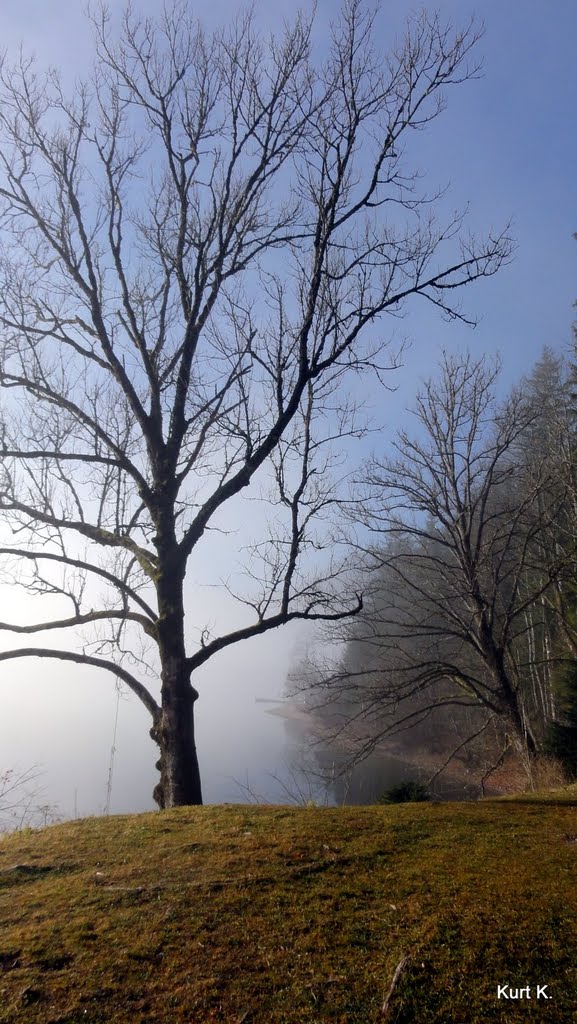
291,915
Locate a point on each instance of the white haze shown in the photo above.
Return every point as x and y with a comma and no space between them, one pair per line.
61,717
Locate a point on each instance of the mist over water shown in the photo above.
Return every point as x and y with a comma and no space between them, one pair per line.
251,756
62,718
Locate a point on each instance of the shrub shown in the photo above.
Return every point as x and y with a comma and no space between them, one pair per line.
404,793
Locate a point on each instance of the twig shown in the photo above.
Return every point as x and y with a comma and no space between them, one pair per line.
463,743
399,971
494,766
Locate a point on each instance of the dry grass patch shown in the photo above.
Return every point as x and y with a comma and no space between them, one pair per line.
288,915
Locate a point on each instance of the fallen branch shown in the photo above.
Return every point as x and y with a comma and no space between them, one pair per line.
399,971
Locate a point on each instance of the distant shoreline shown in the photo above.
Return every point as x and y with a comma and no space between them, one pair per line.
455,772
287,710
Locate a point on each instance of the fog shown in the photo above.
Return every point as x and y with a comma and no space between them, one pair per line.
62,719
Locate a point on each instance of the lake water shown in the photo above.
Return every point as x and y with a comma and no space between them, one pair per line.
247,755
302,768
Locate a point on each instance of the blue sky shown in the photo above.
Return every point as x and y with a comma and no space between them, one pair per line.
507,146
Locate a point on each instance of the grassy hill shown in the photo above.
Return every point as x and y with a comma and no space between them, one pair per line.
284,915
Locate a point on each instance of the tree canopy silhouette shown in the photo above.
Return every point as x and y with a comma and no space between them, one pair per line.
196,248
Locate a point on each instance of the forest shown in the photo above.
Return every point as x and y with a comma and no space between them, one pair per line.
463,657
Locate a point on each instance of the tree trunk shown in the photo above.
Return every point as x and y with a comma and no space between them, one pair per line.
522,730
174,732
178,763
508,694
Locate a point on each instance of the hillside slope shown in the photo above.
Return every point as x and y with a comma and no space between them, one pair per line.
277,915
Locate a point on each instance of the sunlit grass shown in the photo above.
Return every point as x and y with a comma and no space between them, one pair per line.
278,915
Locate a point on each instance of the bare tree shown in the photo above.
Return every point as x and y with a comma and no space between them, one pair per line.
462,514
21,800
194,248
